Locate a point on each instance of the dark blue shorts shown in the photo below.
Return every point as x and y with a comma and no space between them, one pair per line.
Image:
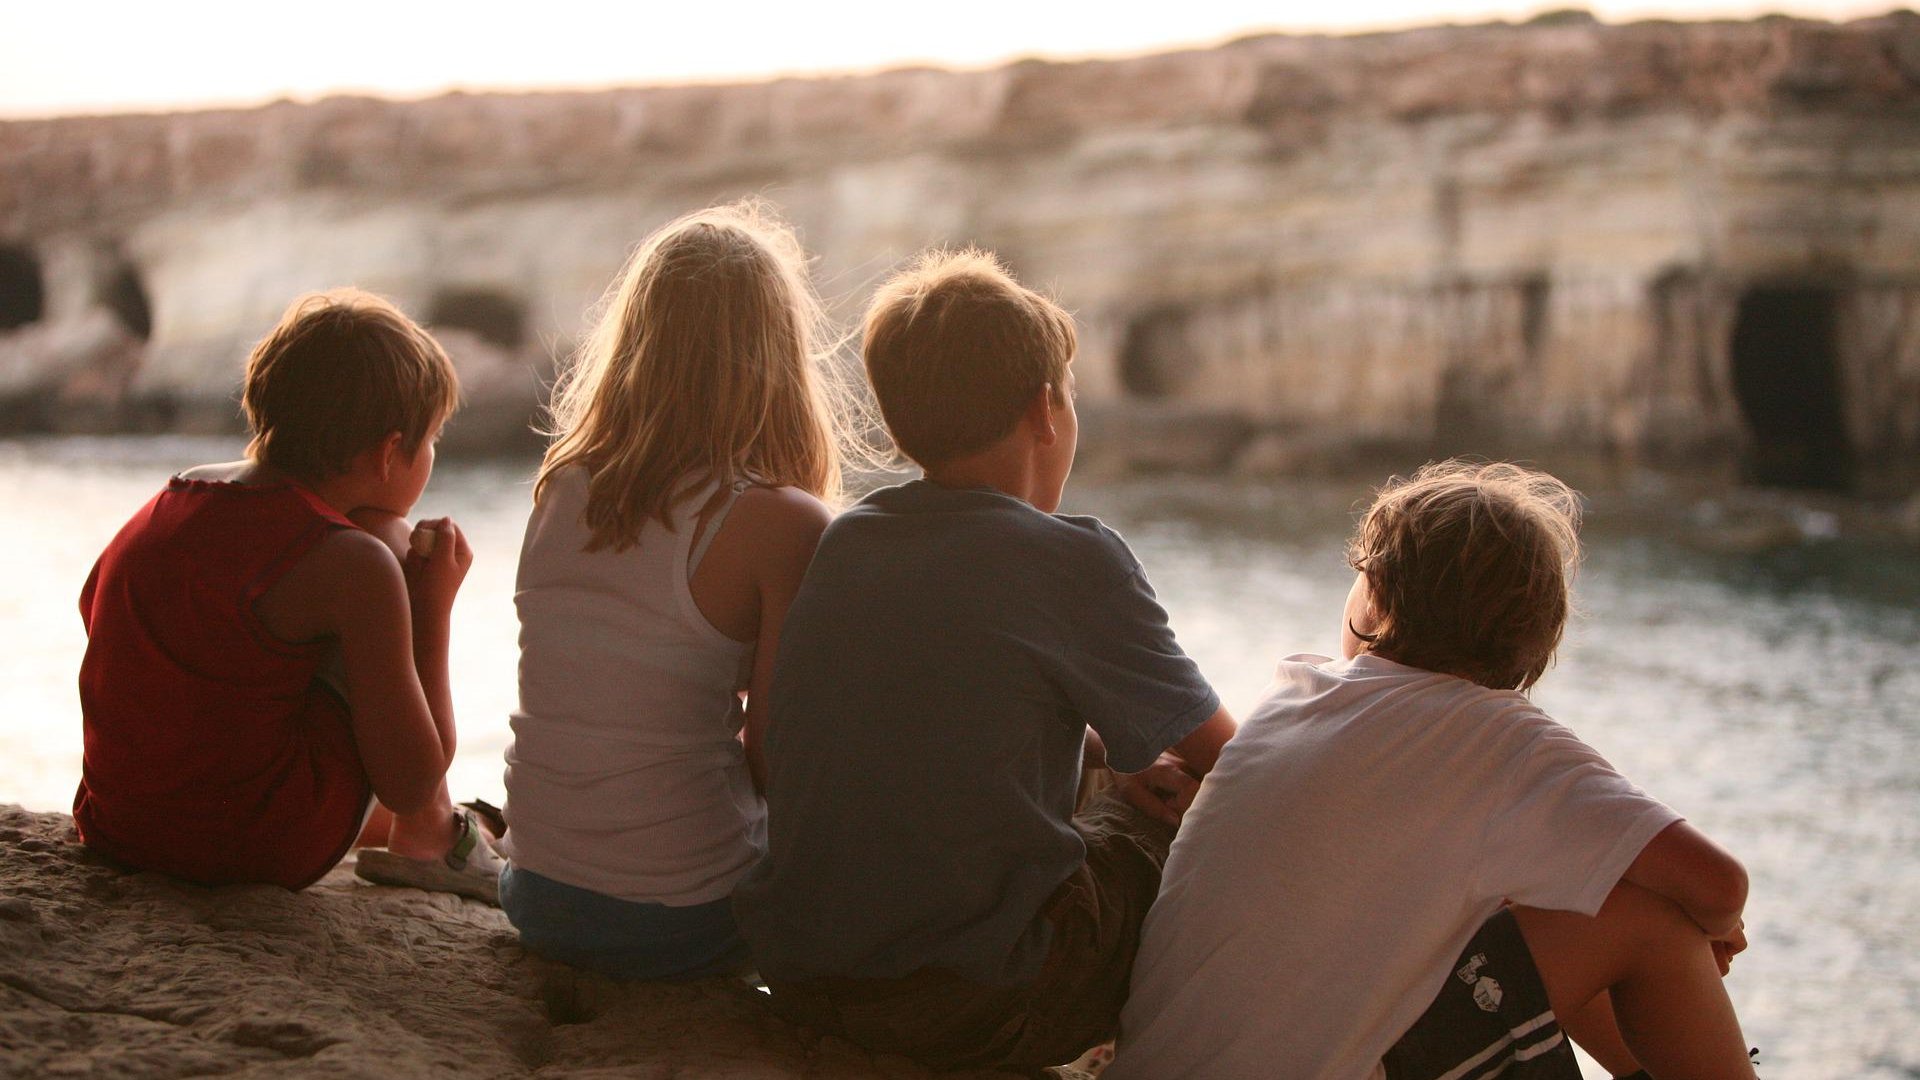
623,939
1492,1018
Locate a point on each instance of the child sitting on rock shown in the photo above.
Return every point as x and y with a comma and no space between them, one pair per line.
216,749
1401,867
672,522
928,889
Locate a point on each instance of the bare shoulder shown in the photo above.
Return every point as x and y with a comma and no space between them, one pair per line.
356,548
347,557
224,472
784,514
785,524
346,575
392,530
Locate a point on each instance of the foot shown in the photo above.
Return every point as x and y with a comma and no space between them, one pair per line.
468,868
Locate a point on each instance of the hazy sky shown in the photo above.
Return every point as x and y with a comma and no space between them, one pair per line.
59,56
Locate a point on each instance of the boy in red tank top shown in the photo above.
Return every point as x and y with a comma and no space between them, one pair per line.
217,747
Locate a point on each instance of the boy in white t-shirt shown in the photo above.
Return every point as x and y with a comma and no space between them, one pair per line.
1401,867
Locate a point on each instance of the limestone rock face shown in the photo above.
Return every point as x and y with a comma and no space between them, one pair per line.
105,973
1663,241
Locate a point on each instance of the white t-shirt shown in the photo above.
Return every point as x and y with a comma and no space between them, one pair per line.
1359,828
625,775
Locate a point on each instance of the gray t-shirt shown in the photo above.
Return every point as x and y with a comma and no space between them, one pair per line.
937,674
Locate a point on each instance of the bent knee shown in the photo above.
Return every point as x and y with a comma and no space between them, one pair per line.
1650,919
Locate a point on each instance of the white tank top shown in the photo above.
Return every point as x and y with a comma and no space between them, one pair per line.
625,775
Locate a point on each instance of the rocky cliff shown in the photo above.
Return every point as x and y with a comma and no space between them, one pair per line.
1665,241
105,973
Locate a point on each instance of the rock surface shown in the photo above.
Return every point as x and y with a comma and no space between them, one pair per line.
105,973
1500,239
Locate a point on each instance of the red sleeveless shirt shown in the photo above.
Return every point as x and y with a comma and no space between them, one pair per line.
212,751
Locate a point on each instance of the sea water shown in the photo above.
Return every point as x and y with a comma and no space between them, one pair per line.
1771,695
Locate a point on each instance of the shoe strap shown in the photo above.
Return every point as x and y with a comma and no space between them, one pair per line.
466,835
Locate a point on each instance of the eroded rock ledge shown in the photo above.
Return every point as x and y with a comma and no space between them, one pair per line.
106,973
1687,244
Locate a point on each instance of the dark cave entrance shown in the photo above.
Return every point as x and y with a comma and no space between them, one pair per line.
497,317
126,296
1156,353
23,294
1536,298
1786,377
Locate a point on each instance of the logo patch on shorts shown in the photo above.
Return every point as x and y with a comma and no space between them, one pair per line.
1486,991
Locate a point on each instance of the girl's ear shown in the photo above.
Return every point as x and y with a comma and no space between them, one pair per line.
1040,415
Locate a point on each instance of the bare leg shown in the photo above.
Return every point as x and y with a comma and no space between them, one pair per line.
1672,1009
1595,1030
378,828
426,833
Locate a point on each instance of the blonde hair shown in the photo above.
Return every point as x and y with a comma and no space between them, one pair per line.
709,359
955,348
341,371
1470,566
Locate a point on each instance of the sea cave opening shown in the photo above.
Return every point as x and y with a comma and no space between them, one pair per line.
125,295
1154,352
23,293
498,317
1786,378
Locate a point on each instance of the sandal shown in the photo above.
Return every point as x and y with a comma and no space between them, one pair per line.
470,868
490,815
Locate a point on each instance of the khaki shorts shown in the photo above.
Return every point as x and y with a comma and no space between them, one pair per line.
947,1022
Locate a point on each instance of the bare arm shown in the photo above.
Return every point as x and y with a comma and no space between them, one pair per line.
431,615
1200,750
1684,866
351,587
432,582
747,581
1166,788
788,535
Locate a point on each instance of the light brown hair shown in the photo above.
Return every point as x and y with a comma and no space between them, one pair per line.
1470,566
709,359
341,371
955,348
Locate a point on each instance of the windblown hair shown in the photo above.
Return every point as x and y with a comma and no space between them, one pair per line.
1470,566
955,349
709,360
341,371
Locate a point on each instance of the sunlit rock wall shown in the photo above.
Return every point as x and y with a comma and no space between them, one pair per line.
1691,243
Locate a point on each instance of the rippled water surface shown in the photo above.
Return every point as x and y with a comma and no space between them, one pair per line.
1773,698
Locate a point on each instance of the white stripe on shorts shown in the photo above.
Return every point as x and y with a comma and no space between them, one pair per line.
1478,1061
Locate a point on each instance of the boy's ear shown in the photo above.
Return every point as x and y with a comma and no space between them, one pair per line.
392,450
1040,415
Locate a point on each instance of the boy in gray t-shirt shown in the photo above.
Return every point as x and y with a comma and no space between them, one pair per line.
955,653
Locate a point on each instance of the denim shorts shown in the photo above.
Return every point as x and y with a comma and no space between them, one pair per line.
622,939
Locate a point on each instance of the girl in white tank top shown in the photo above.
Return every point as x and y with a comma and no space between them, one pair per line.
696,445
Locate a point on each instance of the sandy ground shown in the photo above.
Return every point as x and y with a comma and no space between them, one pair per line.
105,973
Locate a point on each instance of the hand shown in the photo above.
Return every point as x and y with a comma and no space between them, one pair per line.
421,540
1725,949
1162,791
434,575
